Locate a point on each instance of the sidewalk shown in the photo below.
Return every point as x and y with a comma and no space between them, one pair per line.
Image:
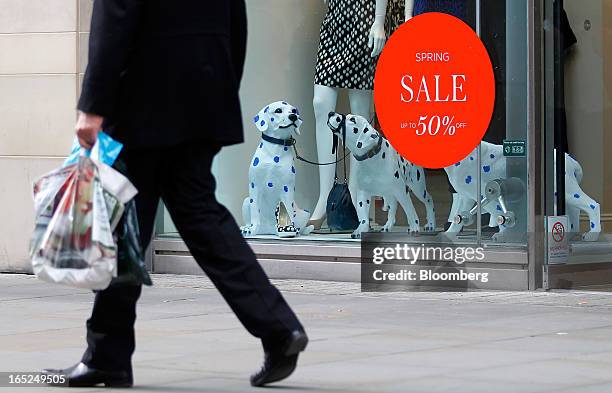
189,341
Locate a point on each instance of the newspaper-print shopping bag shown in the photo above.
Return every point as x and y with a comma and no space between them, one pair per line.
73,240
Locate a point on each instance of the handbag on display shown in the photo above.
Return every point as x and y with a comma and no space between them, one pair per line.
341,213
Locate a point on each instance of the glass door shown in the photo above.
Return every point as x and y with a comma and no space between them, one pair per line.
483,201
578,64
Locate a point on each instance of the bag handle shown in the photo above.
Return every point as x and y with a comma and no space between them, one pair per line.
94,153
342,128
344,163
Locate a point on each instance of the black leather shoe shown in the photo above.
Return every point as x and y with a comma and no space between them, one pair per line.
281,362
80,375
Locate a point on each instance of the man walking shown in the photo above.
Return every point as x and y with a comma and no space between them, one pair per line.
163,78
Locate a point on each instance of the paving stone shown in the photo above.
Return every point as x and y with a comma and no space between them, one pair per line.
188,340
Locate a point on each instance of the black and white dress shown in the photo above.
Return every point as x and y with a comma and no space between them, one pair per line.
344,59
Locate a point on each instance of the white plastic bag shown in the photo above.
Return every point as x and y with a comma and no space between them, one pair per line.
77,210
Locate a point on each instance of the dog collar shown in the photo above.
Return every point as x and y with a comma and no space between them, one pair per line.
277,141
342,129
372,152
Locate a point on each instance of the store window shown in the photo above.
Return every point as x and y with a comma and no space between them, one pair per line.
291,59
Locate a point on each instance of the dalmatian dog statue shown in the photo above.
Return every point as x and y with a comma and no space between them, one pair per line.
272,175
381,171
462,176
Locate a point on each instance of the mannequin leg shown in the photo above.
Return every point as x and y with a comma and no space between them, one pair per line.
325,99
361,104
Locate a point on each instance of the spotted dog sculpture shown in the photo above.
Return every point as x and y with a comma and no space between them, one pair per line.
272,175
462,176
381,171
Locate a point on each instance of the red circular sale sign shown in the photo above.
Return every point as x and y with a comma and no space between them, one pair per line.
434,90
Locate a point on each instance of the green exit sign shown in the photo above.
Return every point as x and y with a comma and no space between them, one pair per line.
515,148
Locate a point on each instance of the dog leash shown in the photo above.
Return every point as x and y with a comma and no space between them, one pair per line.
341,126
300,158
293,143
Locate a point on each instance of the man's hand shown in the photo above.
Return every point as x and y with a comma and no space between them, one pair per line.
87,128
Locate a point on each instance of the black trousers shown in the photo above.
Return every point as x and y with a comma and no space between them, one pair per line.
181,176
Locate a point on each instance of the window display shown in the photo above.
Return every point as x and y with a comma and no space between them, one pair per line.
351,37
498,196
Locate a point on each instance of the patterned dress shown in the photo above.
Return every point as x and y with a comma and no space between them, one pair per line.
452,7
344,59
396,15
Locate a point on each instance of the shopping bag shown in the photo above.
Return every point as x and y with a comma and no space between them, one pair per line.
73,242
107,151
131,266
111,190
